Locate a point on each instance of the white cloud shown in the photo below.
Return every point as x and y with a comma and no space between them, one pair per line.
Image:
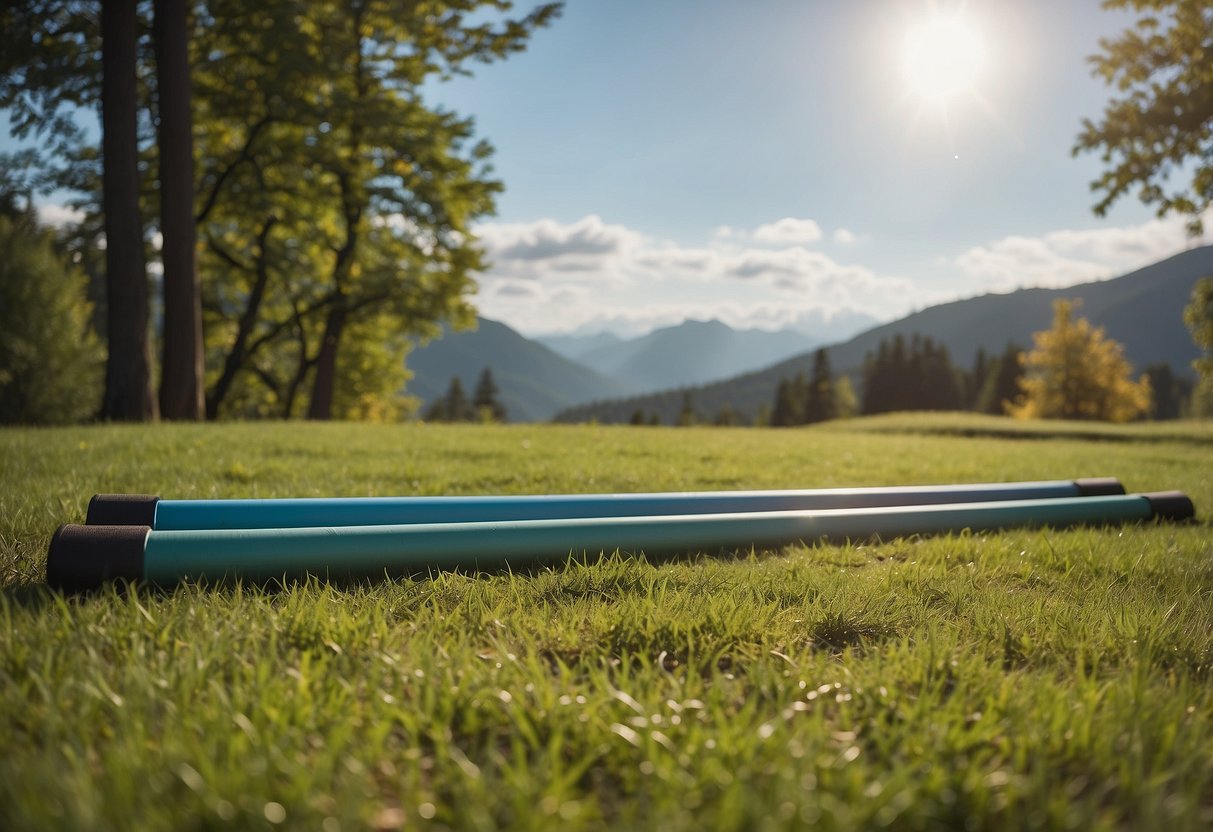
788,231
586,241
1067,257
548,276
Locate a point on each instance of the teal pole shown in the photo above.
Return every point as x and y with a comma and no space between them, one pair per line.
165,515
84,556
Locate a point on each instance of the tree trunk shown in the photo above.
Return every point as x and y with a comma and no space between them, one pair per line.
181,370
128,389
240,351
321,405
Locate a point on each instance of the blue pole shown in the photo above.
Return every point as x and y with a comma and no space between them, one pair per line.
84,556
166,515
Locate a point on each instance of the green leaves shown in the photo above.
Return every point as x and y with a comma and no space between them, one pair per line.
315,117
1162,122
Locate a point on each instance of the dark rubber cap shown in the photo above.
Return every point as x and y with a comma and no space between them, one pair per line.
122,510
84,557
1098,486
1171,505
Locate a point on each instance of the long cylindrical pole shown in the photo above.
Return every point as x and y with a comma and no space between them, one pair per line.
120,509
84,556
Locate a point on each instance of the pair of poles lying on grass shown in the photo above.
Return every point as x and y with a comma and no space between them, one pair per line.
136,537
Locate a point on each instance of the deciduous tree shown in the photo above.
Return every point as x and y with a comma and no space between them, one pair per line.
128,367
50,371
1161,122
1075,372
1198,315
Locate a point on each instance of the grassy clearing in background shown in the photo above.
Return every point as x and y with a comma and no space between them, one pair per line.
1028,678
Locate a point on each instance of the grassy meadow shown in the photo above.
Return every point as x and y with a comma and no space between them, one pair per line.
1054,679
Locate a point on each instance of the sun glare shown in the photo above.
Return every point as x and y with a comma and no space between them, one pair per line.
943,57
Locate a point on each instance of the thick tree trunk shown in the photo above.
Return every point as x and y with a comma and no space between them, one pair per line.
181,369
321,405
128,390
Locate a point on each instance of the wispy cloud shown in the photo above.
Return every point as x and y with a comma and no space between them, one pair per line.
1066,257
788,231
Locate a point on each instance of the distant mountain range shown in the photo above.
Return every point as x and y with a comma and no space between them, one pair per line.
692,352
541,377
1142,310
534,381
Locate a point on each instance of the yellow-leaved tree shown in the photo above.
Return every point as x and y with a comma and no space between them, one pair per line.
1074,371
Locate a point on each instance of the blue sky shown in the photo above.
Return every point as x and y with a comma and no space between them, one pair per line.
650,148
768,163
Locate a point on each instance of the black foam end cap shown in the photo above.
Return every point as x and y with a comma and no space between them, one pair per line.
122,510
1099,486
1171,505
84,557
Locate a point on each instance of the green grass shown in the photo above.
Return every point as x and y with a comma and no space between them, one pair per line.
1025,679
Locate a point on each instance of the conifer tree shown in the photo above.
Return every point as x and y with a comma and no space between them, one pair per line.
686,413
788,409
1002,382
1170,392
485,403
820,403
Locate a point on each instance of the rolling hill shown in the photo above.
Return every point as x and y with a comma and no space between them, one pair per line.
534,381
1142,310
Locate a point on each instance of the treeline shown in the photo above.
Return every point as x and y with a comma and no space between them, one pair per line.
918,374
274,211
1068,374
902,374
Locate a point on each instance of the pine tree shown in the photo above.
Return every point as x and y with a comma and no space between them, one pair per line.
485,403
1169,390
820,404
788,409
1076,372
726,416
939,388
975,381
1002,382
452,407
686,413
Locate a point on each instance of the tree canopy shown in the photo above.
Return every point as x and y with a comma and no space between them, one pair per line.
49,372
1160,122
334,203
1075,372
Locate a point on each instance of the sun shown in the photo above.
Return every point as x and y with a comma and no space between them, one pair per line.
944,57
